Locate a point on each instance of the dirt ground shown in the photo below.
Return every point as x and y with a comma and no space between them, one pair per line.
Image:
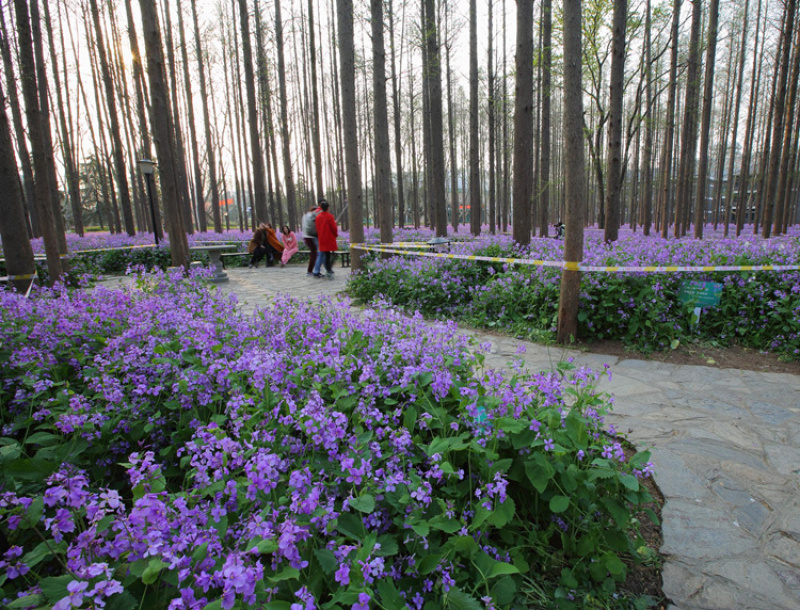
734,357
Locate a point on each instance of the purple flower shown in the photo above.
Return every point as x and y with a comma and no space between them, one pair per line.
363,602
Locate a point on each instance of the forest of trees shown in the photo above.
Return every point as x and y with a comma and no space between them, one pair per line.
430,113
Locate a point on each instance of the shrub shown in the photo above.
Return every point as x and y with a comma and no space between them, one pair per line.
160,450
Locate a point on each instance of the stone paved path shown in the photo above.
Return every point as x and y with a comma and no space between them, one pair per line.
725,444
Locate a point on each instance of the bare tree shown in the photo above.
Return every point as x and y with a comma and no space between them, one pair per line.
383,161
569,294
163,128
286,135
13,224
615,119
434,87
474,144
116,141
210,154
523,122
666,158
37,123
348,89
544,160
708,91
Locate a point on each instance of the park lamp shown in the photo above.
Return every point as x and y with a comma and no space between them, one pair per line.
439,244
148,168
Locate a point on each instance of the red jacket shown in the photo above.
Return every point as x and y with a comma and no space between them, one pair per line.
327,232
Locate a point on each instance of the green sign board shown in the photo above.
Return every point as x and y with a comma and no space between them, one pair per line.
700,294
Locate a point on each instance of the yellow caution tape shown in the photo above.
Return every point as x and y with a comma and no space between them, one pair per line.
577,266
27,276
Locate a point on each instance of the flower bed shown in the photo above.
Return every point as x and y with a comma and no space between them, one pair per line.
757,309
160,450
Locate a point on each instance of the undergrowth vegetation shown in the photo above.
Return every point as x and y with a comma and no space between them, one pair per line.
161,450
760,310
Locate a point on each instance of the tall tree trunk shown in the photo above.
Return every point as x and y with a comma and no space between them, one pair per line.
544,175
708,92
13,225
506,173
647,160
259,183
414,176
569,293
37,123
70,170
120,170
474,146
398,149
523,122
199,198
434,86
779,119
689,131
744,173
669,135
315,130
383,161
163,130
285,136
735,122
788,139
44,105
451,128
349,124
615,119
19,130
491,112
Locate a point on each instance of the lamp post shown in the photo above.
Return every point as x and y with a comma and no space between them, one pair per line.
147,167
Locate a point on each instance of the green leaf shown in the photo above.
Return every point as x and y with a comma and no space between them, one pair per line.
458,600
503,514
215,605
615,565
428,563
327,560
55,587
287,573
200,552
388,546
29,601
619,513
446,525
45,439
558,504
504,590
364,504
501,568
265,547
351,525
389,595
422,528
630,481
410,418
153,569
539,472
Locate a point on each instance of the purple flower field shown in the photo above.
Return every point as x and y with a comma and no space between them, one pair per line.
757,309
160,450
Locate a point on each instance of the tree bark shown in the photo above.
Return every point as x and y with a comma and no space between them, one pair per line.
13,225
544,175
491,118
163,130
259,183
523,123
434,86
120,171
474,146
383,161
669,135
349,124
19,130
37,123
708,92
211,155
615,119
398,149
647,160
573,175
779,119
285,136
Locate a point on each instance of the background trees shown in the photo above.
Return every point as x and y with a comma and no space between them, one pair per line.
256,102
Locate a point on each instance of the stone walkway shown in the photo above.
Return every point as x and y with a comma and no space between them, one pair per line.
726,449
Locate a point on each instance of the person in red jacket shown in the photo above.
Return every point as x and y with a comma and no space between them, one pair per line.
327,232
